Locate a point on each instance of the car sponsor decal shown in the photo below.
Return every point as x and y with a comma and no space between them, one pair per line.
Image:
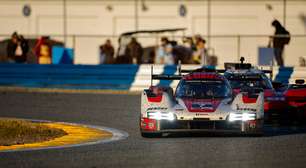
201,105
157,108
245,108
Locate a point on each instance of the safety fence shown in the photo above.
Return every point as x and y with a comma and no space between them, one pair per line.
106,77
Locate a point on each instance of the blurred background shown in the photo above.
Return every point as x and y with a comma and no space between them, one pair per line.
230,28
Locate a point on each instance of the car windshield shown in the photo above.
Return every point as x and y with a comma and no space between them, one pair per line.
238,83
203,89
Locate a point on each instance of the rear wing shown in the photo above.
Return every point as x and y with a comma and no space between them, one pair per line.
181,73
243,65
237,66
230,65
165,76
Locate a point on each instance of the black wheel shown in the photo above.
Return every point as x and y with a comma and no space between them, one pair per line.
300,117
151,135
258,134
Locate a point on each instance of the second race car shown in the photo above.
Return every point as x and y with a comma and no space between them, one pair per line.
295,96
241,75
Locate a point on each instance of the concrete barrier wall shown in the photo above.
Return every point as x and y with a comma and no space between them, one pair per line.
107,77
118,77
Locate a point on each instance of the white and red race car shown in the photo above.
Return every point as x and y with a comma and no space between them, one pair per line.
203,101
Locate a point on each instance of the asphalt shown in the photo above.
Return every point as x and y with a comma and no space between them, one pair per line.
280,147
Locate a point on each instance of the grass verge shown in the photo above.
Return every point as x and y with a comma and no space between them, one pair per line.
14,132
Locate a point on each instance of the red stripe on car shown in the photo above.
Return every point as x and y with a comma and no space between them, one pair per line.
156,99
246,99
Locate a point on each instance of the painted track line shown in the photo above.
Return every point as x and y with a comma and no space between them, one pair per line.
116,136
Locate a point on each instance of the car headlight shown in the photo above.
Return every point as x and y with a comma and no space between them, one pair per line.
241,116
161,116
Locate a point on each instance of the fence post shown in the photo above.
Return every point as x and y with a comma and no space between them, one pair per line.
73,41
238,47
208,22
74,47
65,22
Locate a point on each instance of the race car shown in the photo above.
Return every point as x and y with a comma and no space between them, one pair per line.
242,75
203,101
295,96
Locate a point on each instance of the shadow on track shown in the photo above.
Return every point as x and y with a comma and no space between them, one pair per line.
276,129
270,130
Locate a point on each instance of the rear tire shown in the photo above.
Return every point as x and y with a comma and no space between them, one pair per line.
258,134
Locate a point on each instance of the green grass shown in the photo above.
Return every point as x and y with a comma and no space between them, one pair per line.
14,132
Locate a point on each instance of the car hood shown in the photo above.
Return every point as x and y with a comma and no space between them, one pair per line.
201,105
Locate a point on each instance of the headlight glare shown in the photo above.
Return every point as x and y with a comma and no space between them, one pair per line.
161,116
242,116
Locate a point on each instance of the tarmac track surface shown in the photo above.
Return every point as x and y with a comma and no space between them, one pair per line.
281,147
